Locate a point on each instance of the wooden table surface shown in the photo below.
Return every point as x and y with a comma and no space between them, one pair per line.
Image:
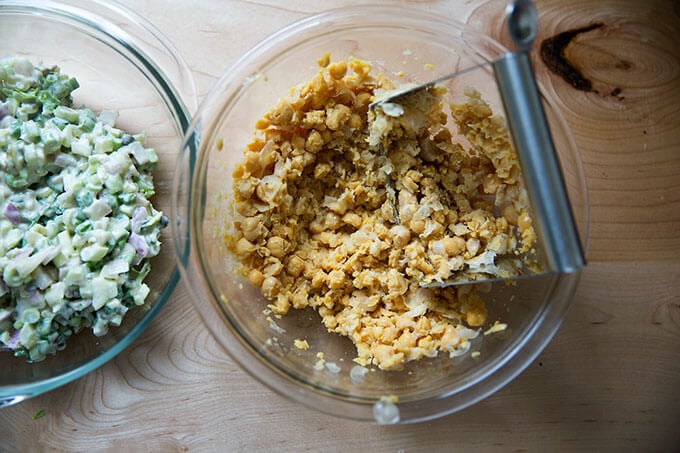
609,380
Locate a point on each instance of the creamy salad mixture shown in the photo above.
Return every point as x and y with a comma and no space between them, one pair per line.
77,228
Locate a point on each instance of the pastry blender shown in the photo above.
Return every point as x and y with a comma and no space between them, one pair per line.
561,250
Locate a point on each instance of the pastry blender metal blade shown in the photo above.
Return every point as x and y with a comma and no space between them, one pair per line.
561,250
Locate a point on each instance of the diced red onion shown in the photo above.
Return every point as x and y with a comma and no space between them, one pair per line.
138,217
34,299
14,340
23,252
12,214
139,244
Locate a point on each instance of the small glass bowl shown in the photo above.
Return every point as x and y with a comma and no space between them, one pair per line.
395,40
122,63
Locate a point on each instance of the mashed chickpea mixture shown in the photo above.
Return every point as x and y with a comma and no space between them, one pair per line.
357,212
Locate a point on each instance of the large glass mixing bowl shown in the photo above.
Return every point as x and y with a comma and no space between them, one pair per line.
395,40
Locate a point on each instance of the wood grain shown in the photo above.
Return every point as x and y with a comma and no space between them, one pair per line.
609,378
608,381
629,141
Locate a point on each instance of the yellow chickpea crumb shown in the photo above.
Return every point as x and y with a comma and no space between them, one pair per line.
324,60
337,70
255,277
350,211
301,344
496,327
428,66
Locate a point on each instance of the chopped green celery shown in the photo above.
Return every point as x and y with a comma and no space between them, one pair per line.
83,227
127,254
146,187
66,113
31,158
51,139
27,265
97,210
84,198
114,183
103,145
127,198
75,274
72,183
30,132
61,87
12,239
87,120
119,228
81,147
28,336
130,186
55,183
100,328
35,237
103,290
27,111
44,326
94,183
93,253
141,138
30,316
140,293
70,133
59,123
127,209
115,268
43,192
61,260
99,236
54,296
